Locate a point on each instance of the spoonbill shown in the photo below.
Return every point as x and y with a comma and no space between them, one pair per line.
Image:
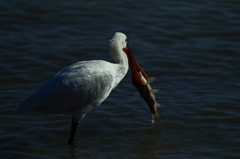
82,86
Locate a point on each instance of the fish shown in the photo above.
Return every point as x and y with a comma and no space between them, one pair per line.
145,92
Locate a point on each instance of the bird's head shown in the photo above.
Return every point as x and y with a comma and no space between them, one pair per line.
118,46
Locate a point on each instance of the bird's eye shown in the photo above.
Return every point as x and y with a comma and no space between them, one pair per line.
126,40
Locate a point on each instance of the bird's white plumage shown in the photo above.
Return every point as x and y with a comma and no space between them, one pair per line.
79,88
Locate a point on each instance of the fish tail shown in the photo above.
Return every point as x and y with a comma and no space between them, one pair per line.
156,118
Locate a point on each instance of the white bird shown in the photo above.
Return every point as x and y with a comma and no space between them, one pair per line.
79,88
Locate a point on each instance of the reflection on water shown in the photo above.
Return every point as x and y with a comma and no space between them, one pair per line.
190,47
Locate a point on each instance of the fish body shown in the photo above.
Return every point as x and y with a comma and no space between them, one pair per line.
142,82
148,98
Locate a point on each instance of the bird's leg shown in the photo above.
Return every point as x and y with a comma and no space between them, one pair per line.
73,131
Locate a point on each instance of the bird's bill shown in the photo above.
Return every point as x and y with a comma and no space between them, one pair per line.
135,67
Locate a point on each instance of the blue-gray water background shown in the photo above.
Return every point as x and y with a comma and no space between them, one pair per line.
191,47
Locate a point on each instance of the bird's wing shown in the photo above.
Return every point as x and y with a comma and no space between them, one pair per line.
76,86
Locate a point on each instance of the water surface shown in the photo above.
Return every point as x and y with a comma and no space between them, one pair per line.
191,47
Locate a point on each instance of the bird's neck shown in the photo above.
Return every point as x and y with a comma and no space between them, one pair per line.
121,61
121,66
121,71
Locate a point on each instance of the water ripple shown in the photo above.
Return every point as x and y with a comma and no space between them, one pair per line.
190,47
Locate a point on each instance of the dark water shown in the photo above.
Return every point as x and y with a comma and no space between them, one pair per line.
191,47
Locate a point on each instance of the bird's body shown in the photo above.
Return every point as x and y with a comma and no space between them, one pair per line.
76,89
79,88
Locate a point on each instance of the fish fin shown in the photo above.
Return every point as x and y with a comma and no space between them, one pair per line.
158,105
156,118
142,100
154,90
153,95
150,80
